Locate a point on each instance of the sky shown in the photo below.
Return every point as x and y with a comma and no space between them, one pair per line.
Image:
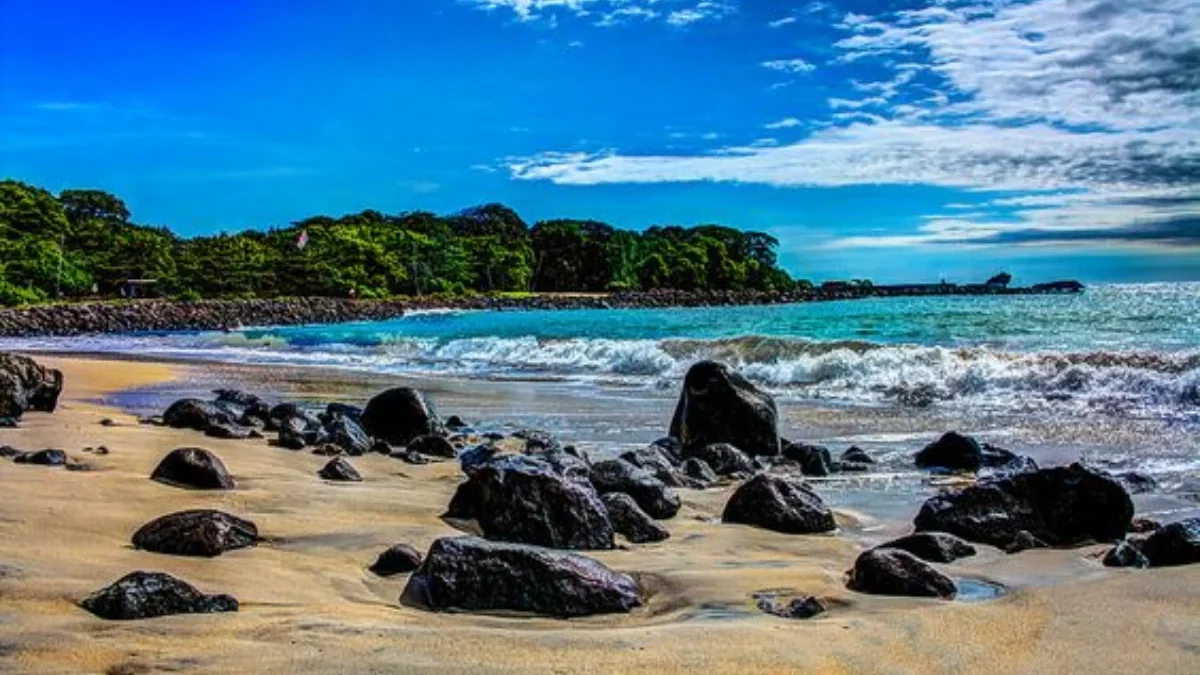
882,139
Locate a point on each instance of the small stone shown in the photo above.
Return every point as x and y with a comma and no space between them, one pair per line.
1125,554
108,422
399,559
144,595
42,457
432,445
890,571
631,521
340,469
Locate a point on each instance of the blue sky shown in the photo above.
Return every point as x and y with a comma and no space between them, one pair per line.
893,140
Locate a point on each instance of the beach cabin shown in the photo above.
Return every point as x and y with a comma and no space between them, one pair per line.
137,288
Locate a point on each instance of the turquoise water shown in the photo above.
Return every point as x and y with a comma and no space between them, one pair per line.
1114,350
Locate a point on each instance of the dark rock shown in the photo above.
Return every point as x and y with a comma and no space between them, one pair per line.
201,532
192,413
536,440
1024,541
890,571
857,455
381,447
629,520
779,504
351,412
42,457
409,457
718,405
399,559
108,422
1018,464
724,459
1136,482
193,468
617,475
144,595
455,422
433,446
345,433
25,385
232,432
523,499
300,431
671,448
799,608
1144,525
102,450
653,459
936,547
1175,544
814,460
1062,506
699,472
477,457
328,450
9,451
1125,554
994,456
253,407
400,415
8,423
339,469
953,452
474,575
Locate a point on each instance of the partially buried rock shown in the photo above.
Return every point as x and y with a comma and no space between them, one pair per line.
524,499
144,595
1175,544
631,521
399,559
341,470
234,432
1062,506
718,405
192,413
857,455
617,475
953,451
814,460
1024,541
725,459
25,385
1125,554
890,571
933,546
345,433
433,445
201,532
42,457
779,504
799,608
699,471
653,459
193,468
399,415
474,575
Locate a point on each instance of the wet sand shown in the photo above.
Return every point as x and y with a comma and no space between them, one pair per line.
309,604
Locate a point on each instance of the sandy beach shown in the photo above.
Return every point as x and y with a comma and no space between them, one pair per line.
308,603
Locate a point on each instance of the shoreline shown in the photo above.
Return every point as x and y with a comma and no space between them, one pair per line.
133,316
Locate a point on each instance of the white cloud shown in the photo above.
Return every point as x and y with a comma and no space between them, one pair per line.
789,65
678,13
780,23
702,11
785,123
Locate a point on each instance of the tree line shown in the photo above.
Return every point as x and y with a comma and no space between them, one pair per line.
83,243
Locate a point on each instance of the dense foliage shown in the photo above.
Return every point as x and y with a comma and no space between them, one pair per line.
82,243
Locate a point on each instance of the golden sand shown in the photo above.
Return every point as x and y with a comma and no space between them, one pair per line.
308,604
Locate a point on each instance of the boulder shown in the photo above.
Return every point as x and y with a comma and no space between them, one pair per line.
891,571
336,410
455,422
814,460
340,469
1062,506
953,452
254,408
629,520
724,459
653,459
469,574
857,455
143,595
193,468
433,445
399,415
192,413
1174,544
25,385
718,405
345,433
617,475
1125,554
671,448
936,547
201,532
524,499
300,431
1137,482
780,504
399,559
1144,525
699,472
42,457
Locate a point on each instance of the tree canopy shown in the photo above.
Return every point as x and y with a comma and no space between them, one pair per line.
84,243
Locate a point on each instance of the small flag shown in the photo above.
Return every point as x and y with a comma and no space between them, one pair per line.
302,240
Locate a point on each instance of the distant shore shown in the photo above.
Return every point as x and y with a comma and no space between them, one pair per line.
96,317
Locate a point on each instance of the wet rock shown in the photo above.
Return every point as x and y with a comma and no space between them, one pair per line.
345,433
1137,482
144,595
779,504
340,469
1018,464
799,608
933,546
253,407
399,559
718,405
1024,541
617,475
350,412
724,459
455,422
328,450
409,457
890,571
699,472
234,432
1125,554
192,413
953,452
537,440
1175,544
1061,506
1144,525
300,431
399,415
9,451
629,520
857,455
433,446
523,499
25,385
193,468
381,447
653,459
671,448
814,460
200,532
474,575
42,457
